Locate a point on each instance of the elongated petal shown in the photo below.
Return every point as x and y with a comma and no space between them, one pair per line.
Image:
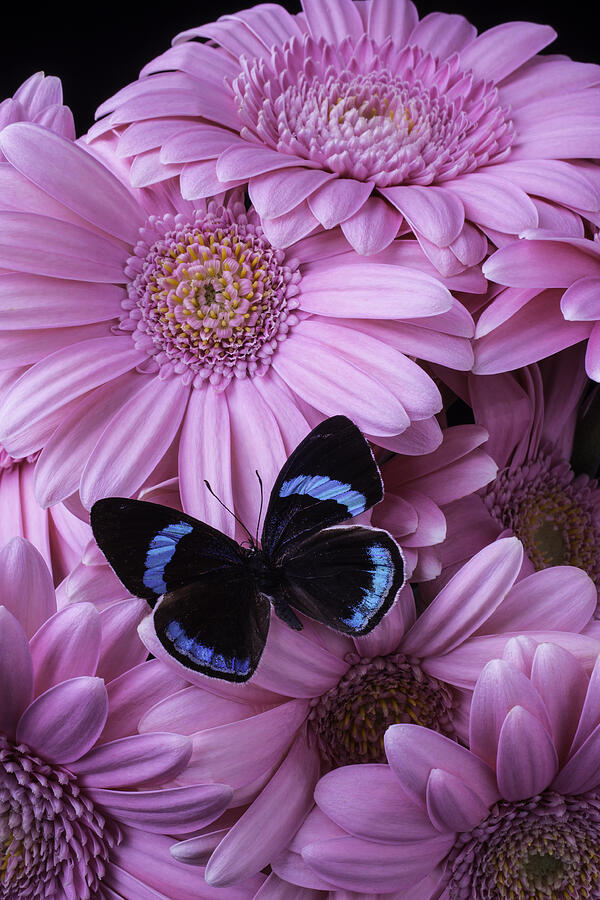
61,168
373,227
468,599
367,802
193,709
527,759
134,761
495,202
500,50
580,773
581,301
434,212
34,302
26,588
562,683
174,810
16,671
451,804
336,21
338,200
134,693
65,722
67,645
269,823
276,193
120,647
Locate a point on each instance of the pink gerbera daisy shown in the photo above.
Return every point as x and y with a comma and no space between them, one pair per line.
362,116
515,817
552,301
87,805
319,700
149,340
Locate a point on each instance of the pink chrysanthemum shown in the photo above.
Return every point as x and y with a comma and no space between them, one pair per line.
152,339
319,700
552,300
87,805
515,817
360,115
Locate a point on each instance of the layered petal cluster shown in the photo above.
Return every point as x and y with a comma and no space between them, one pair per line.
320,700
362,116
550,300
517,815
87,805
39,99
148,338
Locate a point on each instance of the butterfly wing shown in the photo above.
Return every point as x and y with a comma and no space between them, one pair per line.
331,476
217,625
346,578
154,549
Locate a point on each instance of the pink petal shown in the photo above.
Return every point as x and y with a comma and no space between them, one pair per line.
121,648
563,598
146,424
197,851
395,19
42,245
274,194
65,722
338,200
134,693
242,751
16,671
61,168
466,602
432,211
590,712
270,822
196,142
442,34
174,810
147,169
373,227
293,226
34,302
562,683
546,76
387,636
134,761
364,866
206,420
451,804
581,301
367,802
22,348
32,408
555,180
65,646
244,161
564,125
592,354
527,759
335,21
27,589
193,709
199,179
495,202
580,773
541,263
275,888
502,49
500,687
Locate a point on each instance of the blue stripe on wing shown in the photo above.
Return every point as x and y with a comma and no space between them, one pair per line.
203,655
323,488
160,552
382,578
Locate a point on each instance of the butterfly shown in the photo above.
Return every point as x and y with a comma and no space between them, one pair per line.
213,596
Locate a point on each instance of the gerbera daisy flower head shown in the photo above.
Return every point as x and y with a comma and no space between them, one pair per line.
363,116
515,815
551,301
149,337
87,803
319,700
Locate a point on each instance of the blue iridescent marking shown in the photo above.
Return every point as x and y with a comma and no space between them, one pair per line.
323,488
382,577
203,655
160,553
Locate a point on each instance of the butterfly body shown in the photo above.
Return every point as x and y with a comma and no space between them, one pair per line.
213,596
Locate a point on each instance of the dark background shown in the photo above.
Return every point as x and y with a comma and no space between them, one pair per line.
103,47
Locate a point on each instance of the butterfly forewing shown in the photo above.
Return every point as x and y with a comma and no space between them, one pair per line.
155,549
330,476
217,626
346,578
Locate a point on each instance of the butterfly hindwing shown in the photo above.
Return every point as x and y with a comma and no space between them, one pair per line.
330,476
154,549
346,578
217,625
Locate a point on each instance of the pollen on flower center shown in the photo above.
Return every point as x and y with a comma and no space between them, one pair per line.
537,849
209,299
351,719
53,841
368,111
555,514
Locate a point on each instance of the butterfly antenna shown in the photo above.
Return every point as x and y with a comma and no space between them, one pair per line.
230,511
261,504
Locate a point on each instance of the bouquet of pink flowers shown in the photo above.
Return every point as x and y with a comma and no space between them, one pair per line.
354,252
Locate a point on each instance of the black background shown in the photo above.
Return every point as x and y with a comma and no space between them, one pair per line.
102,46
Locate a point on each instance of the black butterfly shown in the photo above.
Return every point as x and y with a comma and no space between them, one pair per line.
213,612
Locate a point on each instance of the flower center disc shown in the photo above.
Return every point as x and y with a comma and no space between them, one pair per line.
372,112
350,720
537,849
209,299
